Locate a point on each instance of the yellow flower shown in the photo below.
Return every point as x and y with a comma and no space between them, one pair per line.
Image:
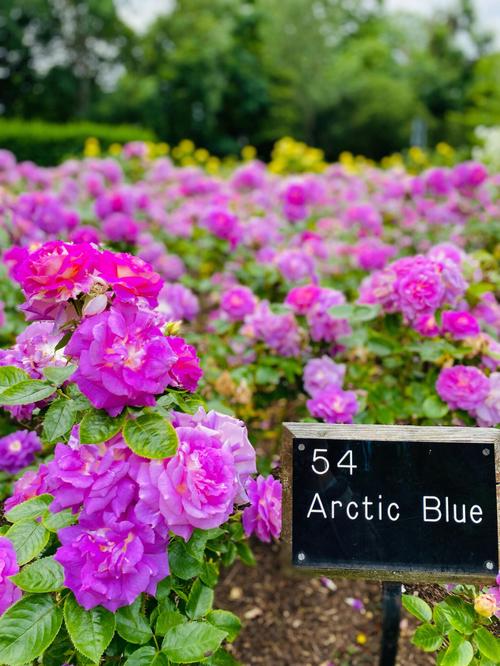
417,155
485,605
201,154
248,153
92,147
213,165
361,638
162,148
445,149
186,146
115,149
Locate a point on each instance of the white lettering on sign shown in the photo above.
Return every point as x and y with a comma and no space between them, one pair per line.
364,508
434,510
321,510
437,509
321,464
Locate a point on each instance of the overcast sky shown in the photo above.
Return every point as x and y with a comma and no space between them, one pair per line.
139,13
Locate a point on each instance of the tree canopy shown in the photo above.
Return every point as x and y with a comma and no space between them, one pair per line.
339,74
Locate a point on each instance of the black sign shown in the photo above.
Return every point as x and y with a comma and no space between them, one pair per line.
394,506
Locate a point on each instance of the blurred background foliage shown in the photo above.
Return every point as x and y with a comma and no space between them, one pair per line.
342,75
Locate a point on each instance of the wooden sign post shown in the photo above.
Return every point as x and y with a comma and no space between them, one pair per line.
392,503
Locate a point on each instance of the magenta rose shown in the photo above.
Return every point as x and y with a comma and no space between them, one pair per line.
301,299
54,274
90,476
460,324
123,358
238,302
420,290
17,450
334,405
131,278
9,593
234,437
186,371
109,560
320,373
29,485
263,516
195,488
295,264
488,412
462,387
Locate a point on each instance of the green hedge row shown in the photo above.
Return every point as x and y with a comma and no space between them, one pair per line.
49,143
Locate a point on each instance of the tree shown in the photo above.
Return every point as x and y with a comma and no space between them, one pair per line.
58,55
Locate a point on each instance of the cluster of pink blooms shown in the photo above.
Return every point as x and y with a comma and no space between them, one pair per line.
34,350
127,505
108,299
323,379
419,286
468,388
287,252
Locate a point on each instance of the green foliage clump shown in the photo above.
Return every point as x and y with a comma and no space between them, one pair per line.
49,143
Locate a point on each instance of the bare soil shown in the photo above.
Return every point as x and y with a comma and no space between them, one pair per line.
296,621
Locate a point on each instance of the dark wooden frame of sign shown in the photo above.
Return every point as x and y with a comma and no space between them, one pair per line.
383,433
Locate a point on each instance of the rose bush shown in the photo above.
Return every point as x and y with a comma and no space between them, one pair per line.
352,295
115,541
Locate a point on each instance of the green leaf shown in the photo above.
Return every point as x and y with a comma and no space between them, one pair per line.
141,657
80,401
182,564
168,619
417,607
265,376
26,392
132,625
227,621
151,436
440,618
245,554
45,575
460,614
222,658
191,642
434,408
345,311
10,376
146,656
200,601
197,543
163,590
64,341
28,628
59,419
459,653
427,638
354,312
209,574
32,508
29,539
60,651
97,426
91,631
56,521
58,374
488,645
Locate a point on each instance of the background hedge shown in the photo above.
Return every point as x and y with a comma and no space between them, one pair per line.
50,143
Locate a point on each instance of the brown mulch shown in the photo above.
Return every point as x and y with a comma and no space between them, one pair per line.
296,621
